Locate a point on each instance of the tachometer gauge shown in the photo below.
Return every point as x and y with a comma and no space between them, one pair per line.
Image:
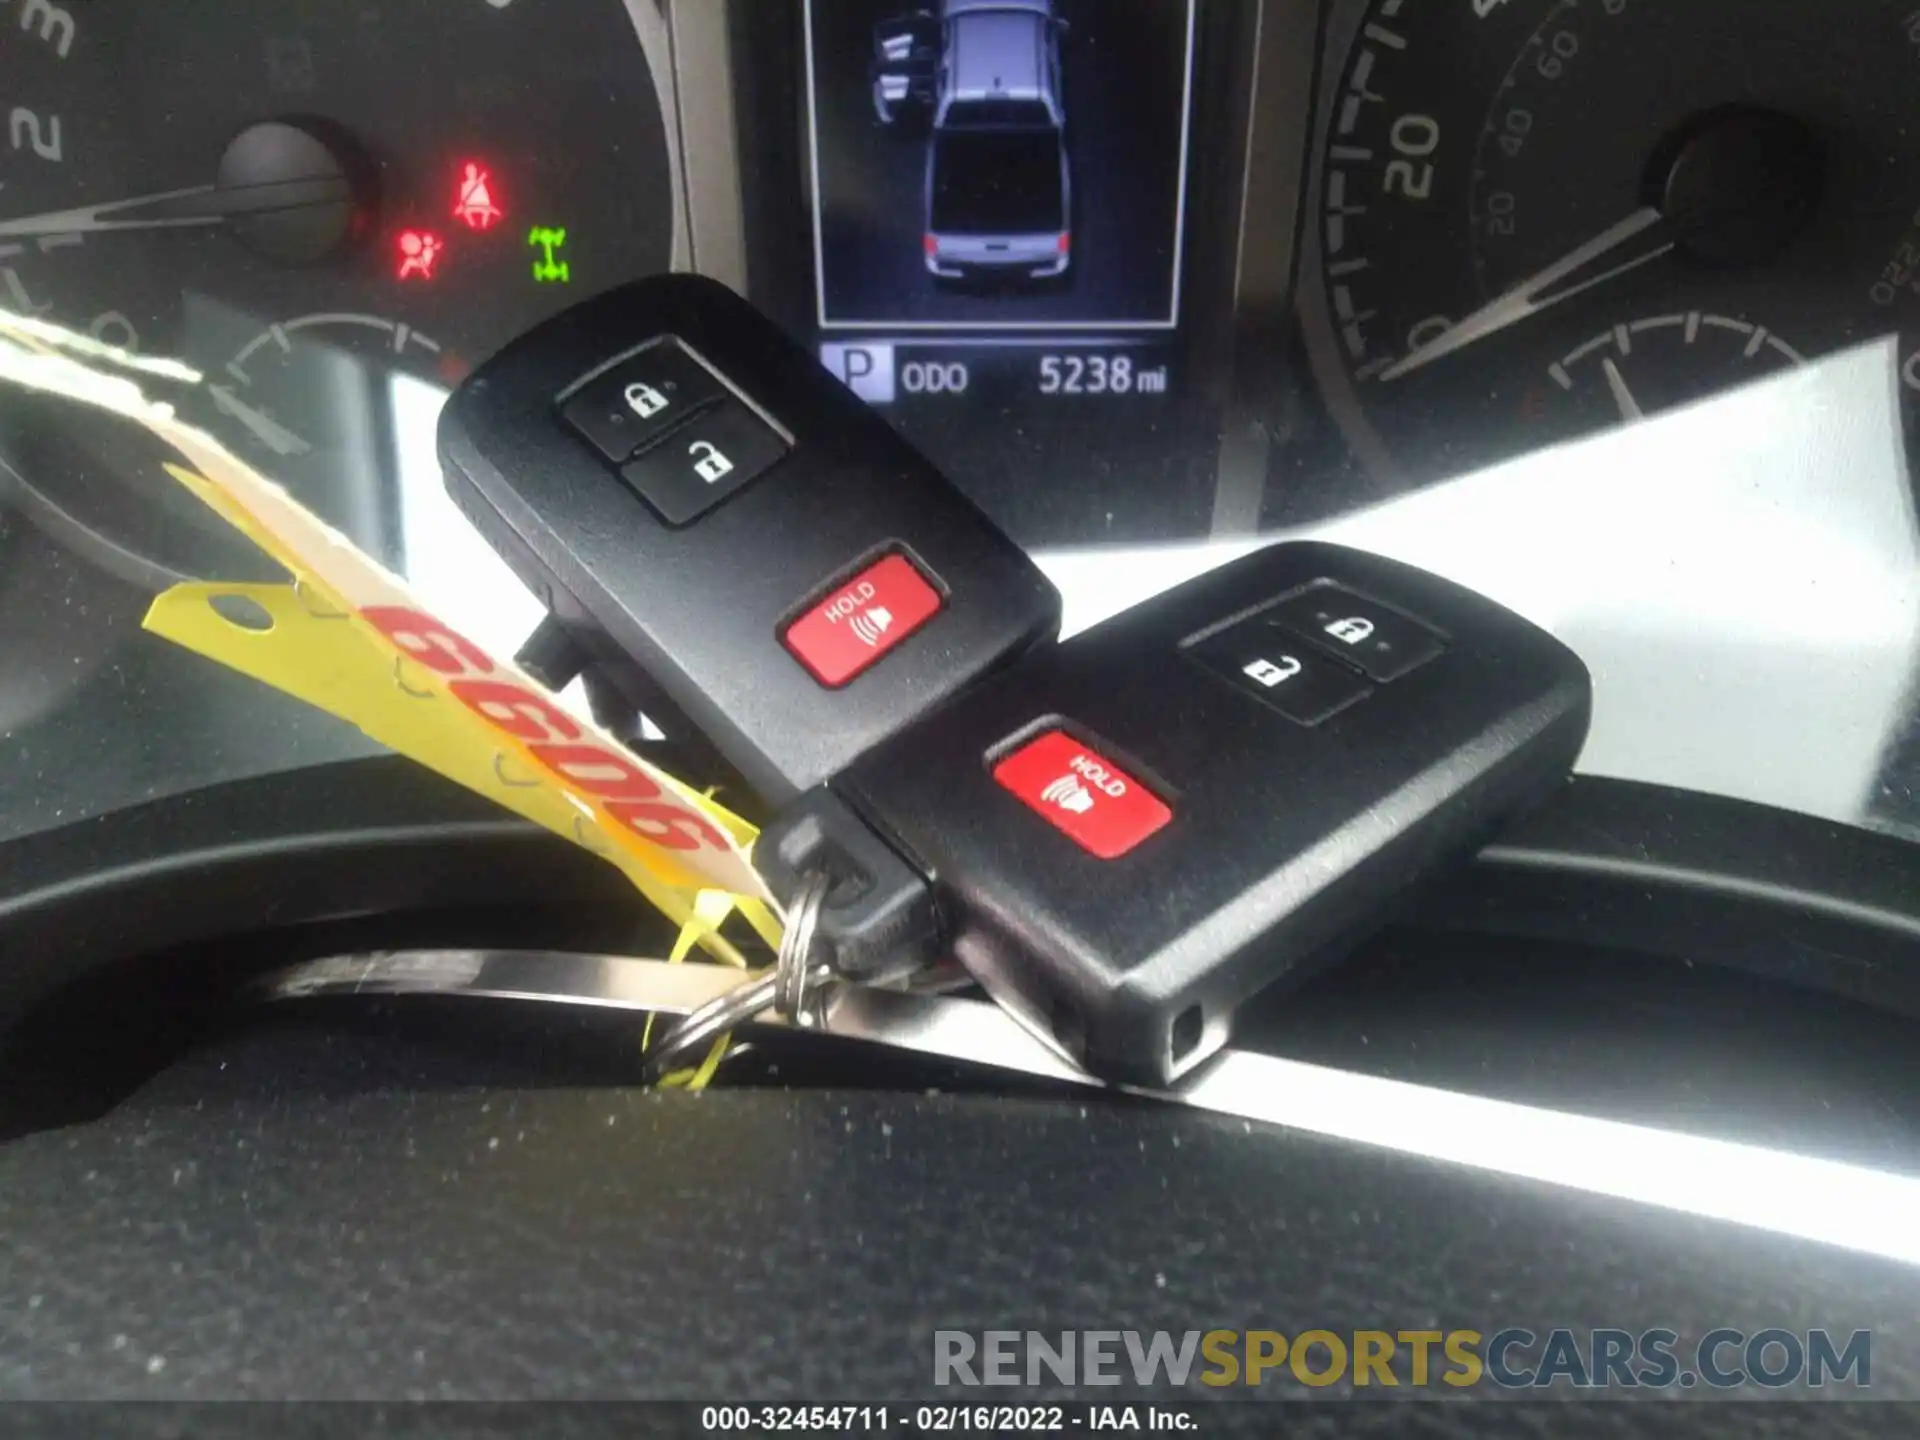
311,201
1539,217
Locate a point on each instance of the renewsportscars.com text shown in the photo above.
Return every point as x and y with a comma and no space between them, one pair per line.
1513,1358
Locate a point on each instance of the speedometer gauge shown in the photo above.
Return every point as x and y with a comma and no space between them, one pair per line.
1540,217
307,200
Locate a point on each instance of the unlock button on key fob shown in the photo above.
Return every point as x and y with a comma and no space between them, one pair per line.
1287,674
703,462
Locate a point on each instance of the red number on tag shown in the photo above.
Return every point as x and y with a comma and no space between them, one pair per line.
666,826
626,794
600,773
428,641
523,715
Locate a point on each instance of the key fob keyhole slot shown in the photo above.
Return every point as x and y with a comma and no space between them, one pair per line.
1188,1030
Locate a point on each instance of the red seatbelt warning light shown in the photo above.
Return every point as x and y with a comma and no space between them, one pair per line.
475,205
419,253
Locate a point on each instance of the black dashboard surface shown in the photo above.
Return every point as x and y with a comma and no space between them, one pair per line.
308,1216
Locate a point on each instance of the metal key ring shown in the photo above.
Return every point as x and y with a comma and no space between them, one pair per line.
715,1018
797,978
791,987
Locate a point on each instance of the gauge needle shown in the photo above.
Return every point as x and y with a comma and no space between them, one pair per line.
1533,295
1622,396
175,209
268,431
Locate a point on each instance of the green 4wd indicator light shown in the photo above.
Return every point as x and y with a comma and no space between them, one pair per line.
547,270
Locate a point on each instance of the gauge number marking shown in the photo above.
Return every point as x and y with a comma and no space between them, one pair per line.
1581,111
53,23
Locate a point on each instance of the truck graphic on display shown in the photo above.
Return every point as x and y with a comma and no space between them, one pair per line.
983,79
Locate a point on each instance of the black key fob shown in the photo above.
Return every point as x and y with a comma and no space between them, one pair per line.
1128,834
729,535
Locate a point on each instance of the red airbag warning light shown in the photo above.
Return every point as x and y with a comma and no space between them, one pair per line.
420,252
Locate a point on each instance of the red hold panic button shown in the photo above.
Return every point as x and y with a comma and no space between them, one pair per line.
846,631
1085,795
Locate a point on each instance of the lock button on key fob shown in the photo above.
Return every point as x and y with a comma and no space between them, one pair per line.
702,463
1372,637
633,404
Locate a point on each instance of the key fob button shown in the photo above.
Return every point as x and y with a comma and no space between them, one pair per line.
681,482
696,467
849,628
1372,637
636,402
1281,671
1082,794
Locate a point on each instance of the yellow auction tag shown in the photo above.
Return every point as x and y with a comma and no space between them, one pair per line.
361,648
348,637
318,656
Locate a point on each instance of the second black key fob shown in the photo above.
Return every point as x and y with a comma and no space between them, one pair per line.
1126,835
